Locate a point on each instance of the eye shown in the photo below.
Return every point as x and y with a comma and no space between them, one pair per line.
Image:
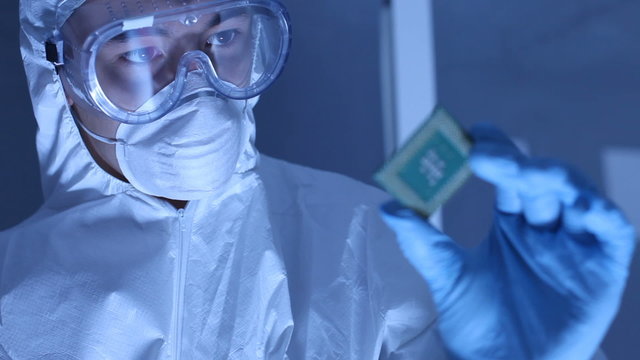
222,38
142,56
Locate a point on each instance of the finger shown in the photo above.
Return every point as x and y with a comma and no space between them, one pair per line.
550,189
606,223
541,210
508,201
495,140
503,173
496,159
542,189
433,254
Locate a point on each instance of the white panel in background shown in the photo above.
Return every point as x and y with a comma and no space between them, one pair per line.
599,355
414,79
413,64
621,168
522,145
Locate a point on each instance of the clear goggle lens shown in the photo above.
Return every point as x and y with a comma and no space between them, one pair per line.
241,47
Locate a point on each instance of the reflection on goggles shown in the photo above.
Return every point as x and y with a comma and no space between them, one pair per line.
242,50
133,66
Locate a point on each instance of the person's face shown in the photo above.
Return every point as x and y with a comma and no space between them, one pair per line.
136,64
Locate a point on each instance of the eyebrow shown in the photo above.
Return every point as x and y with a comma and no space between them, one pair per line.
129,34
217,19
227,14
231,13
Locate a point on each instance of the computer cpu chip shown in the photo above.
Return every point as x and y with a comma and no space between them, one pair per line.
430,167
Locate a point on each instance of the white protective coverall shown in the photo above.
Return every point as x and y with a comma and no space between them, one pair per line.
284,262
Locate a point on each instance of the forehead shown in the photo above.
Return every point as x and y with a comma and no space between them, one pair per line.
93,14
122,9
100,12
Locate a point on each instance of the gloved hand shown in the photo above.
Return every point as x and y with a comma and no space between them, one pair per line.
548,280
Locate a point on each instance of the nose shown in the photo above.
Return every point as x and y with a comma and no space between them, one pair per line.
194,66
197,60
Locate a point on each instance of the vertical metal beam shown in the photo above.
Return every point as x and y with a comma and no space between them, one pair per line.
387,86
408,71
414,64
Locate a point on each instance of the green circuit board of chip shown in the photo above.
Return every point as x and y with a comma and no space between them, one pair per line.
430,167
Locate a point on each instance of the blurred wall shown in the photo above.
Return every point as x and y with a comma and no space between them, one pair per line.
20,193
563,78
325,110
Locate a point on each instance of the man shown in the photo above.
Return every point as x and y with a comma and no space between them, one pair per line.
164,234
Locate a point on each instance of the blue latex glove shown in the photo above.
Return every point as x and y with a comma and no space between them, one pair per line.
546,283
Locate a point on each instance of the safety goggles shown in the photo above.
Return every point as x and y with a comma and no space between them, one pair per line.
134,68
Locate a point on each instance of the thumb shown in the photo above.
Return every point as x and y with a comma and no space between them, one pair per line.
433,254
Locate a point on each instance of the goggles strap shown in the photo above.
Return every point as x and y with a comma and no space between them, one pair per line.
53,49
90,132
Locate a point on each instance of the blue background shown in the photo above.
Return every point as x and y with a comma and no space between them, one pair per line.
562,76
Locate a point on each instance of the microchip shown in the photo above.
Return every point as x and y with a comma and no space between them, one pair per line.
430,167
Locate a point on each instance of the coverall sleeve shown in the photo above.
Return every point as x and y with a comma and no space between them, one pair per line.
403,300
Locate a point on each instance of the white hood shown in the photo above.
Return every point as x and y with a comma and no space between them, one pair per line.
66,166
65,163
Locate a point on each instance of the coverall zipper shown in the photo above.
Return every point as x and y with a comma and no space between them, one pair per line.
178,303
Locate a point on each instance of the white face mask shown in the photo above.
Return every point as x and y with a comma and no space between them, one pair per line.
193,150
